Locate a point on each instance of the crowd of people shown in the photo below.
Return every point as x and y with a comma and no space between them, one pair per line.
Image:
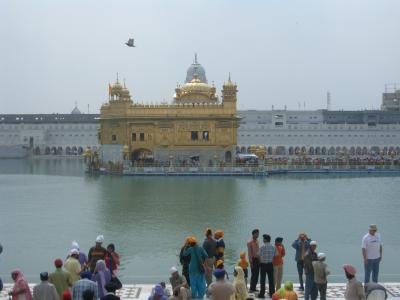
94,276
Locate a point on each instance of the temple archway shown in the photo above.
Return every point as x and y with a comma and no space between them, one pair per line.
142,154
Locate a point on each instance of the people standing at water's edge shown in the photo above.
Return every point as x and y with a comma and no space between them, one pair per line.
244,264
20,289
210,246
60,278
321,273
267,253
112,259
180,288
45,290
254,259
82,256
196,268
102,276
354,288
301,245
73,266
185,261
278,262
311,288
96,252
372,248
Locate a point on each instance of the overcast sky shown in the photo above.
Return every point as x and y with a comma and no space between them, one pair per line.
56,53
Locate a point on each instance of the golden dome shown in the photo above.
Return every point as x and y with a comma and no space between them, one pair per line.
195,91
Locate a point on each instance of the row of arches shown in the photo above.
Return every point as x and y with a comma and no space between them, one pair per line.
318,150
59,150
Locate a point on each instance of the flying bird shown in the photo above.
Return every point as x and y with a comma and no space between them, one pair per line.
130,42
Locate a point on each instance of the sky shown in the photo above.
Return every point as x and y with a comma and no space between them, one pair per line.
280,53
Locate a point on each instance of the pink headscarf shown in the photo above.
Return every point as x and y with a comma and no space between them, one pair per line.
20,284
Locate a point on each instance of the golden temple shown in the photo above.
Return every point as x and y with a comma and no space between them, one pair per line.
195,128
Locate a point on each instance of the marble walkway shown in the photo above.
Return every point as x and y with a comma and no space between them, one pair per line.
142,291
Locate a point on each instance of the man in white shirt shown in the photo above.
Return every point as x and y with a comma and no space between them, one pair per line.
372,252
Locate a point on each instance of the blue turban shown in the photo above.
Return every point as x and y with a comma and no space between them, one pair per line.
86,274
218,273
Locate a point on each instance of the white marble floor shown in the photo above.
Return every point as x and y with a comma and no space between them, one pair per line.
142,291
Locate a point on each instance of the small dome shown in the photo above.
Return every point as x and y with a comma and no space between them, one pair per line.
76,111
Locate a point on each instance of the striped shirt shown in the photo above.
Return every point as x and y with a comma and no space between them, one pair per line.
267,253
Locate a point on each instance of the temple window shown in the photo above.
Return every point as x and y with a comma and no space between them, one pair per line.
194,136
134,137
142,136
113,137
205,135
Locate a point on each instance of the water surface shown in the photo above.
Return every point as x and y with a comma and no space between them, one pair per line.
45,204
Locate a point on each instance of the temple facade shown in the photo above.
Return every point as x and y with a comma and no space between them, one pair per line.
197,127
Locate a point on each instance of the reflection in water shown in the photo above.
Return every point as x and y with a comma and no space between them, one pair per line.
148,217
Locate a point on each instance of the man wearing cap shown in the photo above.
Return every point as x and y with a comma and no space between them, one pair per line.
266,253
220,289
372,253
83,285
60,278
354,288
73,266
311,288
301,245
321,273
96,253
180,288
45,290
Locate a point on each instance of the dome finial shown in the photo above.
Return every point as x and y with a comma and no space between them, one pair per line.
195,58
229,78
117,77
124,84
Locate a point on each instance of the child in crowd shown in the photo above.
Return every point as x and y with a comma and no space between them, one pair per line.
218,236
220,265
244,264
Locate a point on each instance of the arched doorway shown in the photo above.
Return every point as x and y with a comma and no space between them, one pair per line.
228,156
291,151
53,150
280,150
80,150
364,150
142,154
68,150
318,150
74,150
47,151
323,151
311,151
331,151
59,150
37,150
352,151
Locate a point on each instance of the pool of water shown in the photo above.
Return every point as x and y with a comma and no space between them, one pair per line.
45,204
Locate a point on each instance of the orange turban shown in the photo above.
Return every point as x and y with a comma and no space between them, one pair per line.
219,234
